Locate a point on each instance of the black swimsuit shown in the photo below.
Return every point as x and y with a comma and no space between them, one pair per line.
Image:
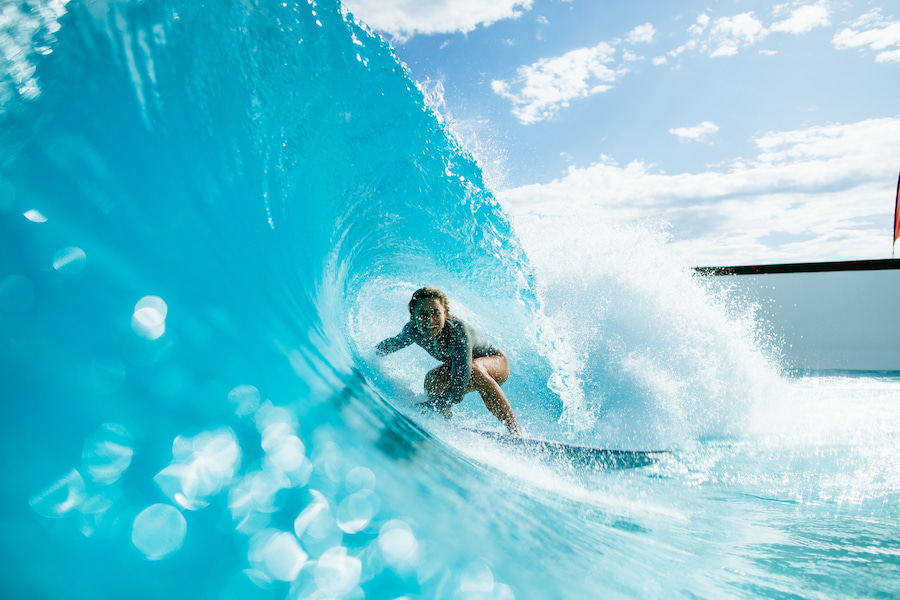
457,345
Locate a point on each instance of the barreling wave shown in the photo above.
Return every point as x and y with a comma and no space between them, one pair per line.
268,161
226,205
210,194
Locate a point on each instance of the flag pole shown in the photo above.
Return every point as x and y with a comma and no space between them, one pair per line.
896,217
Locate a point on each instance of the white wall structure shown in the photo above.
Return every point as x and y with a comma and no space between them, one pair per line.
843,316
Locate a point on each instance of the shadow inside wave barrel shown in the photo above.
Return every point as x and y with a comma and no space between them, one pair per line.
369,415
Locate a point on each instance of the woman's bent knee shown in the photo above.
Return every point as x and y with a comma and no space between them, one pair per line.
479,371
495,368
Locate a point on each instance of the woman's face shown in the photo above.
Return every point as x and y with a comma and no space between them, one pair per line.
430,316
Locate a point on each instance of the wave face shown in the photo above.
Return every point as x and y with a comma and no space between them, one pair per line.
209,214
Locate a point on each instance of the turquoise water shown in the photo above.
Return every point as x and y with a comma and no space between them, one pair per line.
208,217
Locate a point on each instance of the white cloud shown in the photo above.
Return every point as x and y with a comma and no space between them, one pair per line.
700,26
804,19
630,56
728,34
402,19
827,188
690,45
890,56
641,33
543,20
542,88
873,31
660,60
697,133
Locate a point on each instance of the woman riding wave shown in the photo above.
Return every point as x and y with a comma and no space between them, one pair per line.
470,362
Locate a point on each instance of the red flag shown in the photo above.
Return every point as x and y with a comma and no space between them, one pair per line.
897,214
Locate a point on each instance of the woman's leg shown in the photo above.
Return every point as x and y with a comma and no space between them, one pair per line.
436,381
488,374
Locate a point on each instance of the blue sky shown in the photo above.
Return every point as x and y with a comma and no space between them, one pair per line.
759,131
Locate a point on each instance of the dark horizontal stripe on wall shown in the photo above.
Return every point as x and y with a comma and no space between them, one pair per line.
819,267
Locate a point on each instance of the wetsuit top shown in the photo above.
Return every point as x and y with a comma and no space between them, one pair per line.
458,344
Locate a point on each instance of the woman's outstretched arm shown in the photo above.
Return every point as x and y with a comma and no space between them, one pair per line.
392,344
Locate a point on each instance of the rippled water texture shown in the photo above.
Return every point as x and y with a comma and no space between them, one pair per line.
209,214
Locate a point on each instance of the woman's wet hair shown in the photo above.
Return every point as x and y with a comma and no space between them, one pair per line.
426,293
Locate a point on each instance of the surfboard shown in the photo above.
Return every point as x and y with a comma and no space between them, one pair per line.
581,456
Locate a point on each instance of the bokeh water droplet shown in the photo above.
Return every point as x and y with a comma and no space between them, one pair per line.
398,545
278,554
69,260
149,318
337,573
61,497
158,531
35,216
244,400
107,453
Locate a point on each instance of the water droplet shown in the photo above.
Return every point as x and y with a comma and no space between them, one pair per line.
315,520
70,260
61,497
277,553
158,531
359,478
336,572
149,318
203,465
244,399
398,544
107,454
356,511
477,578
34,216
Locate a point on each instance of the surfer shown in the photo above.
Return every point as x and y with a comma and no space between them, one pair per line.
470,362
